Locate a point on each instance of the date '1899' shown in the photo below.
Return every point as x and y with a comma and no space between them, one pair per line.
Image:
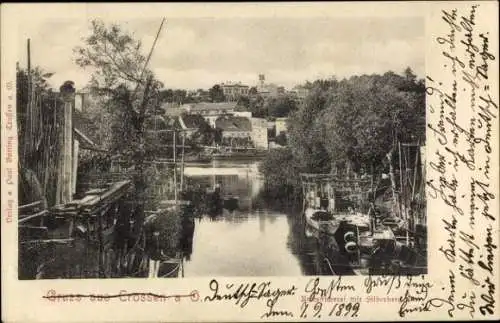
338,309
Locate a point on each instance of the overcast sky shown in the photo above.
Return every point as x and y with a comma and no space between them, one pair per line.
199,52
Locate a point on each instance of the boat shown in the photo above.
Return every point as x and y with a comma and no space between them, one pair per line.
338,211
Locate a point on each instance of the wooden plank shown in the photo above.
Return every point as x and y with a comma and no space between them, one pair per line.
25,206
32,216
74,166
116,188
48,241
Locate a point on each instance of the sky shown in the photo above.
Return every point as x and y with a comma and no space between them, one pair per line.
196,53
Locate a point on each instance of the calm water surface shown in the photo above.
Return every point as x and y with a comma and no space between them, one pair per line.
255,239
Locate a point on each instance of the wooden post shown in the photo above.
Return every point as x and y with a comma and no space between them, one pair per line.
393,180
372,189
67,92
29,113
182,161
175,173
400,182
74,169
100,240
417,153
403,195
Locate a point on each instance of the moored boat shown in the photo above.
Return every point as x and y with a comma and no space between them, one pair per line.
335,208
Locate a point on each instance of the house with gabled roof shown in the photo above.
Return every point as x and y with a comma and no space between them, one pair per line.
190,123
234,127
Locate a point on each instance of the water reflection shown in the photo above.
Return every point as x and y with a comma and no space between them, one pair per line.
257,238
186,239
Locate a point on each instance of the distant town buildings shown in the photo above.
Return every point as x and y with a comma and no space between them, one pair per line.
240,125
232,91
301,92
267,90
209,111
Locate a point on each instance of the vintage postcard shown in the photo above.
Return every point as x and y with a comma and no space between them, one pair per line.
250,162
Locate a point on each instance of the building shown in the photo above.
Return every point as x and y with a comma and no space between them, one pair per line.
301,92
190,123
259,133
280,125
246,114
236,131
210,111
267,90
232,91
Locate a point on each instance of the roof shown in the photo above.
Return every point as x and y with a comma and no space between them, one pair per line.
86,129
259,122
209,106
83,139
191,121
233,85
233,123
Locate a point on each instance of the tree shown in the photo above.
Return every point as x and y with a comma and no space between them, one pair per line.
283,183
126,87
243,103
216,93
280,106
354,122
253,91
256,106
281,139
127,90
205,134
167,95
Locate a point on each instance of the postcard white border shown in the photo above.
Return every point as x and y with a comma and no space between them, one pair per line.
22,300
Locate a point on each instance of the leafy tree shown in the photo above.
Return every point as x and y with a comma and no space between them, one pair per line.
280,106
128,91
354,122
282,183
172,95
122,82
253,91
167,95
205,135
256,106
243,104
216,93
281,139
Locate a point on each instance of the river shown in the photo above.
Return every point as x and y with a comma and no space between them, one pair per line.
257,239
260,237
